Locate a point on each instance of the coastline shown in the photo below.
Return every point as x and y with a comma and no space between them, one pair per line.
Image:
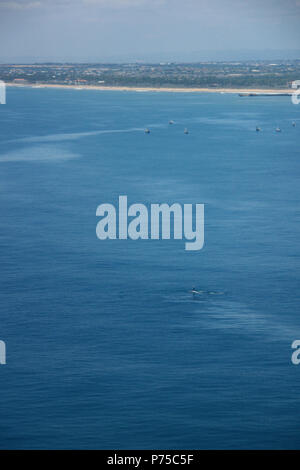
158,90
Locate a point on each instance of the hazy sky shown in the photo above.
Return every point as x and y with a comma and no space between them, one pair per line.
145,29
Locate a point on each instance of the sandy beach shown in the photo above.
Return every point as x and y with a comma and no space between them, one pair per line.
152,89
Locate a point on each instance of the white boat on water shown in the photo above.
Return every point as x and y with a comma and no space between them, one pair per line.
194,291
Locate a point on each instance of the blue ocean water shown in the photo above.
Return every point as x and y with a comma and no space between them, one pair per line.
106,348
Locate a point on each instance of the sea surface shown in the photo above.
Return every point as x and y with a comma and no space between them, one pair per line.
106,346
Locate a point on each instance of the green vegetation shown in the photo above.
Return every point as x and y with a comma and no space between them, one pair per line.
262,74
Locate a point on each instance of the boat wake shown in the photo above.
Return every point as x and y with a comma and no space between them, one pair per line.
73,135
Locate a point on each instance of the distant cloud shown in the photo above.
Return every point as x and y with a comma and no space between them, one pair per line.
19,5
30,4
130,30
124,3
204,5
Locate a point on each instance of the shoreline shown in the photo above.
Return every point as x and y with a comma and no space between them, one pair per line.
158,90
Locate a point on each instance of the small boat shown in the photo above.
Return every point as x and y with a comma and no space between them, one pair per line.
278,129
171,122
258,129
196,292
147,131
186,131
293,124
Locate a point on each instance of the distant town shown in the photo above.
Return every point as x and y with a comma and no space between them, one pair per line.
254,74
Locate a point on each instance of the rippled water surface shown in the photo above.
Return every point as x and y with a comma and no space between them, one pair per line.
106,346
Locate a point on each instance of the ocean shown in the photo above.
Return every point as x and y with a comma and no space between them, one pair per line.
106,347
